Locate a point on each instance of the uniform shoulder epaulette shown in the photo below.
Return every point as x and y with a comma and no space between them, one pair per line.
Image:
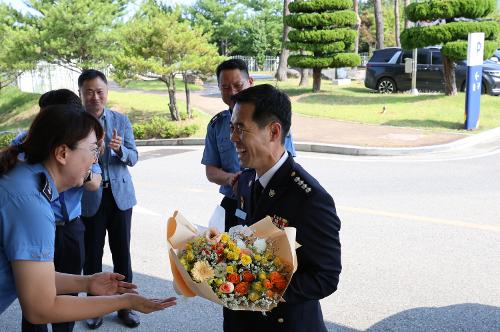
45,187
213,120
300,183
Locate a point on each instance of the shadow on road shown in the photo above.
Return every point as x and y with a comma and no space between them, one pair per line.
458,317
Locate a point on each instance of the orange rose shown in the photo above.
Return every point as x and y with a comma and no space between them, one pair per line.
248,276
280,284
241,288
233,277
267,284
274,276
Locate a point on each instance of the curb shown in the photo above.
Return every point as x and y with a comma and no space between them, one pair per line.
349,149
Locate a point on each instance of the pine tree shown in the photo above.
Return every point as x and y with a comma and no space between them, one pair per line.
325,30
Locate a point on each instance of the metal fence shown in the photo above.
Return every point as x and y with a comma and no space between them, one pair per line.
270,63
46,77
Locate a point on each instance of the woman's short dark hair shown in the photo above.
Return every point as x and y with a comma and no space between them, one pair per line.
54,126
270,104
60,96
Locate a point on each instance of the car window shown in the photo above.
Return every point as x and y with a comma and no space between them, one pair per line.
383,55
436,58
422,58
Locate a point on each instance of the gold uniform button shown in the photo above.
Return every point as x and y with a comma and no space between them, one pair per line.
280,320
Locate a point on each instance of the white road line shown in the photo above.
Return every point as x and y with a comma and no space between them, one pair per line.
424,219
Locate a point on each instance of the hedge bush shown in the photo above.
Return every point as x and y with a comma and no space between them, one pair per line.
321,36
333,61
457,50
334,47
342,18
443,9
440,34
318,5
6,138
160,127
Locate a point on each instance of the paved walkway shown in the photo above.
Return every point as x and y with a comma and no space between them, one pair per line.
329,131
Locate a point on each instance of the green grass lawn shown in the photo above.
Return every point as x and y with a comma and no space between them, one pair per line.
155,85
359,104
140,107
17,108
352,103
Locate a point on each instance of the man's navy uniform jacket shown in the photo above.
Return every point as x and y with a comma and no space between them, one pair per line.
294,198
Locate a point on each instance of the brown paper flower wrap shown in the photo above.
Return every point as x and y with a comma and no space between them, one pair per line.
236,289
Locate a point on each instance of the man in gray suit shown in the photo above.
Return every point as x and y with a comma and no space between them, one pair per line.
109,208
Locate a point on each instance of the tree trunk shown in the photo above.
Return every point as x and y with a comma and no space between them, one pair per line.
379,24
304,76
188,96
316,79
396,22
407,22
450,84
281,73
358,24
172,104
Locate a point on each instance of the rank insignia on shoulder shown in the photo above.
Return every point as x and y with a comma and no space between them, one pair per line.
300,183
280,222
46,188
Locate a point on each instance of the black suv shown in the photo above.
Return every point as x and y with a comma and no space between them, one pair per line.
385,72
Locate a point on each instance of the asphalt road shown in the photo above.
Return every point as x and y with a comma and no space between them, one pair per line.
420,240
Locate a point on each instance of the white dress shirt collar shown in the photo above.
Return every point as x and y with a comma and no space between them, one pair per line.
267,176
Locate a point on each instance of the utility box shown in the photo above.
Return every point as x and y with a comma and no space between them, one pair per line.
408,65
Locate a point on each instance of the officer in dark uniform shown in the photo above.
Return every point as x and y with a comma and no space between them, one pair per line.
278,187
219,156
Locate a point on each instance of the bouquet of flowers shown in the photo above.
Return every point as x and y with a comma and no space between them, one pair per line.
248,268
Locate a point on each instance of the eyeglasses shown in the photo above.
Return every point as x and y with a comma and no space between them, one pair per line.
95,151
238,129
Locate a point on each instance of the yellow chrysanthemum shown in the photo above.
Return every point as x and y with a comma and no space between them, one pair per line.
231,245
237,250
262,275
257,286
224,238
245,260
189,255
202,271
257,258
230,269
253,296
277,261
189,246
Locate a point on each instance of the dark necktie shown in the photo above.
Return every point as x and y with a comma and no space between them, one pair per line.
256,191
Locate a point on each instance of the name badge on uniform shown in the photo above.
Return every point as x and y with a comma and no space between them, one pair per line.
240,214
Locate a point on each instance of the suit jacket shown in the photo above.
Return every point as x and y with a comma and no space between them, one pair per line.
294,198
119,176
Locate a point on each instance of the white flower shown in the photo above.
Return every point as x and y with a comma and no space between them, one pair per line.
241,244
260,245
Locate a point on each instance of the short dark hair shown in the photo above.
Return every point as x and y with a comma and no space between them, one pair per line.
270,104
232,64
55,125
57,97
90,74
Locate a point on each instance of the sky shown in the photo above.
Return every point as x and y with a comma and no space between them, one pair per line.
18,4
